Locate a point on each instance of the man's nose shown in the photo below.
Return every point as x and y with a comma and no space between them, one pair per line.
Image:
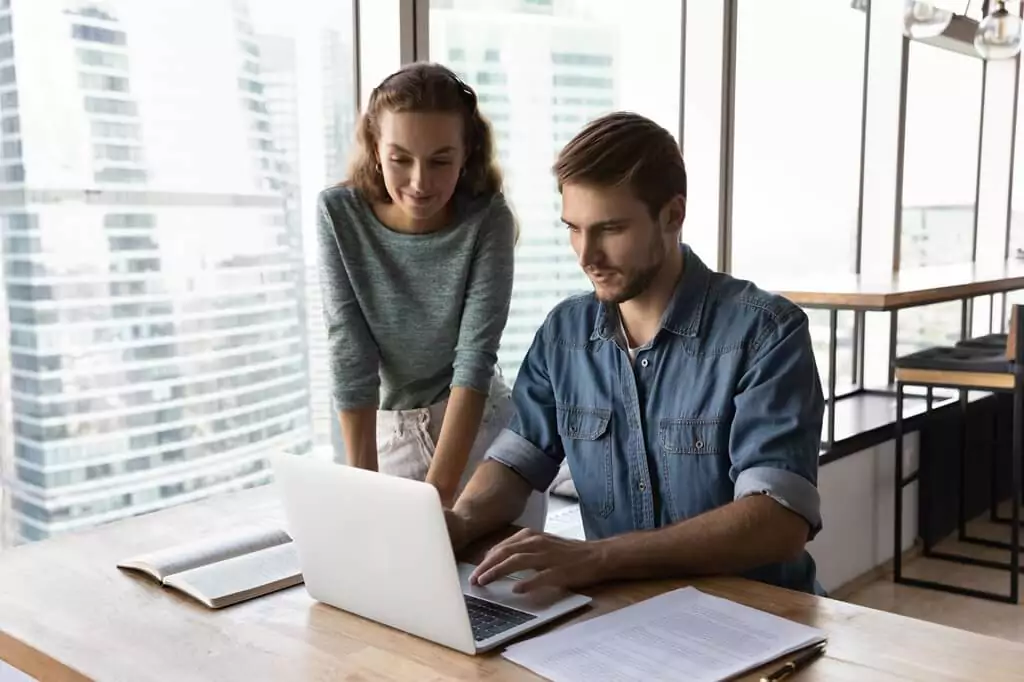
589,254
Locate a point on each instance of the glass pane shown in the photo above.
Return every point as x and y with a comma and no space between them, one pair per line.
940,169
160,271
796,176
799,91
541,70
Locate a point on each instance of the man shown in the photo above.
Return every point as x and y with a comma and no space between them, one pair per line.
687,402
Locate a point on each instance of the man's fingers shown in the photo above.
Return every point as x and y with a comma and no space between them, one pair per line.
516,562
520,542
556,576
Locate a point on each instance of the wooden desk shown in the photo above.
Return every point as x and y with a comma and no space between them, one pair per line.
66,613
903,289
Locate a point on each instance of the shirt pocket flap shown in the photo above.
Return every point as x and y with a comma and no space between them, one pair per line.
694,436
582,423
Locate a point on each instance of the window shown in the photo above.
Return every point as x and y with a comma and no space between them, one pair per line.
940,171
102,129
102,58
96,34
110,107
160,265
95,81
796,163
561,65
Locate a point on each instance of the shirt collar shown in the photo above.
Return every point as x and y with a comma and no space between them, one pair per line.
685,309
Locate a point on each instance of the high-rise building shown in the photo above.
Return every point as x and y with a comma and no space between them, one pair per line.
522,56
327,93
154,292
337,91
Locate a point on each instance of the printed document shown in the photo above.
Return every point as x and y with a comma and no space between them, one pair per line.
680,635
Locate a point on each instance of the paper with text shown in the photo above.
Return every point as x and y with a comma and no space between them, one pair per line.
680,635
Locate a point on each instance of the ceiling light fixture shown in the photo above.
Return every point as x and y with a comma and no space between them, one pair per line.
924,20
999,33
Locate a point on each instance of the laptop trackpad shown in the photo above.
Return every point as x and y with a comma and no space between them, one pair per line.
500,592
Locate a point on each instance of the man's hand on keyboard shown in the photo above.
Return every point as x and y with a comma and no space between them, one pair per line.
558,562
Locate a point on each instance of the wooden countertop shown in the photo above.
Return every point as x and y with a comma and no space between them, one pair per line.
903,289
66,613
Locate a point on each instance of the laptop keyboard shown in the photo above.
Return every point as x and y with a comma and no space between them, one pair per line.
489,619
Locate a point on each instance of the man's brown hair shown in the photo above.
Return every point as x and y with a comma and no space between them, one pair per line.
424,87
624,148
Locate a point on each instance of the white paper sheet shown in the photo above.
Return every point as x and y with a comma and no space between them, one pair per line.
566,523
680,635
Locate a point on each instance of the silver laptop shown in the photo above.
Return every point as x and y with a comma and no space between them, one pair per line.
377,546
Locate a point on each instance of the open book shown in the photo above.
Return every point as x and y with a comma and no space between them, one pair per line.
227,569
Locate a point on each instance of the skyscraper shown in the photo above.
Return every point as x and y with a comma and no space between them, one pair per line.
309,164
152,276
541,70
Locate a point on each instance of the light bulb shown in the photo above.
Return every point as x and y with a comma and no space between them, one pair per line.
998,35
924,20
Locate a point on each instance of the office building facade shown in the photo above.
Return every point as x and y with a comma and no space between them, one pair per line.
153,277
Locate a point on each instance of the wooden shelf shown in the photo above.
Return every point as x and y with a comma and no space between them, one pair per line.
868,419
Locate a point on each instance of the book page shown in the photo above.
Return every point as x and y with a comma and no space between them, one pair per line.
171,560
680,635
241,577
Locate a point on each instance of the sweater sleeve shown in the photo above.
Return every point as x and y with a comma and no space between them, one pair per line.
353,354
488,295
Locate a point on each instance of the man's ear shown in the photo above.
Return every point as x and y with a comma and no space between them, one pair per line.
673,213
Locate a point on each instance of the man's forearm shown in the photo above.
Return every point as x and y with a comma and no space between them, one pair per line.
494,497
740,536
458,432
359,433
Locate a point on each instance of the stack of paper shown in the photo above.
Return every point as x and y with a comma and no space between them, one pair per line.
679,635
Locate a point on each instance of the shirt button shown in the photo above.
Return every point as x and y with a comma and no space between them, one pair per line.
644,363
643,486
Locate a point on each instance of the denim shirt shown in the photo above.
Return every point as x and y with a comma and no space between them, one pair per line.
724,402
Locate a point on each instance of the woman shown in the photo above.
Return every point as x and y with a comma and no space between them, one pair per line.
416,251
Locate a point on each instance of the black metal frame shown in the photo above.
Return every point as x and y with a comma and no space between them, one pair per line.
1016,454
859,333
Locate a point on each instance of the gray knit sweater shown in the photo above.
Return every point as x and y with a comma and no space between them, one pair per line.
408,316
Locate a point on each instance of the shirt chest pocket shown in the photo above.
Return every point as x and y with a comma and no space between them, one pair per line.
695,436
695,463
587,445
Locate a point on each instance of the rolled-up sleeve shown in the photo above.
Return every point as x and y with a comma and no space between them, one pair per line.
776,430
353,354
530,445
488,296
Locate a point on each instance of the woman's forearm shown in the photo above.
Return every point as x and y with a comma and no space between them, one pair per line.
462,419
359,433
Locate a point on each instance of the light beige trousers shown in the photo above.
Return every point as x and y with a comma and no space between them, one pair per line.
406,440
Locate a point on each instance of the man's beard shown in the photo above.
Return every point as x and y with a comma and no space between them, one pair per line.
639,279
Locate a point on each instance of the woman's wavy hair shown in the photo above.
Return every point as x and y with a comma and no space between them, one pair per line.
429,88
